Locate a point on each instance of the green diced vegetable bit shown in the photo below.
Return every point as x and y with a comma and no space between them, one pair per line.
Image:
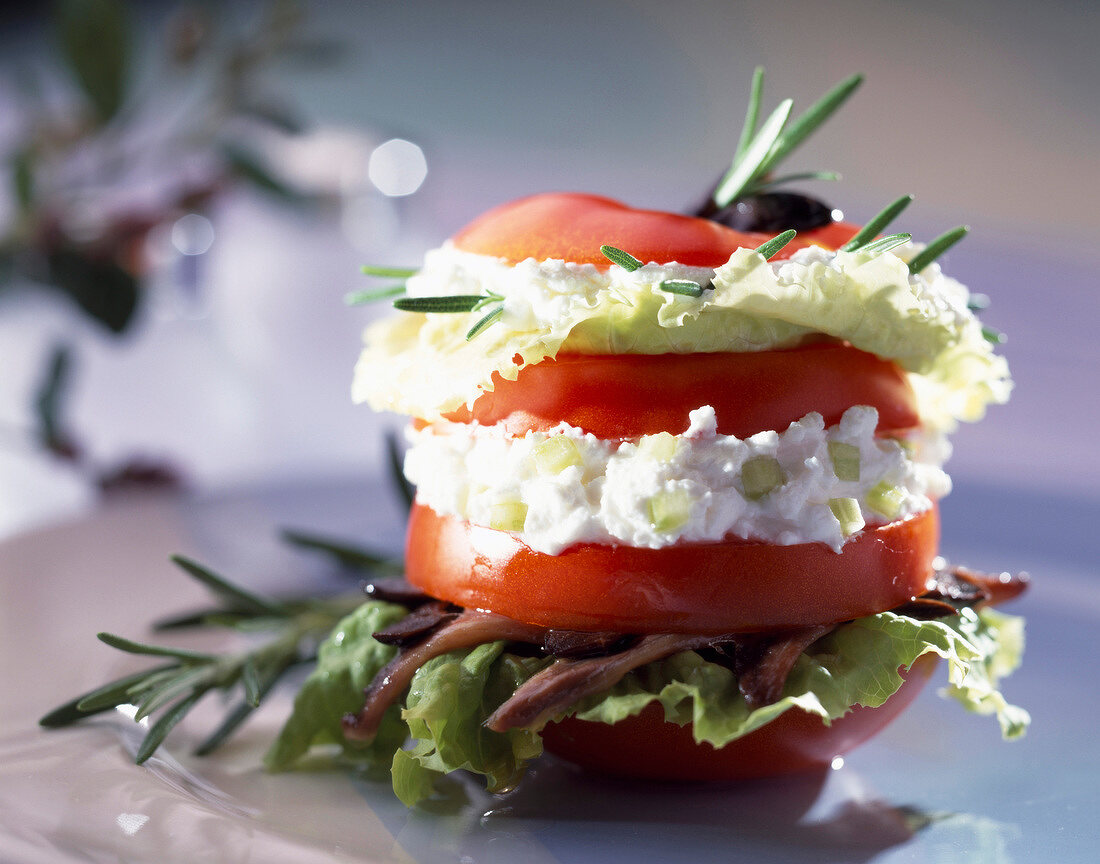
670,509
885,499
760,475
845,459
907,446
555,454
660,447
847,513
508,516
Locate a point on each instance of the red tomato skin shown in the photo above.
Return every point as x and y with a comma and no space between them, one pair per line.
831,236
731,586
645,746
573,226
629,395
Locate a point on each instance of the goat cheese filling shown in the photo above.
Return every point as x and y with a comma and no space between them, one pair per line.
805,484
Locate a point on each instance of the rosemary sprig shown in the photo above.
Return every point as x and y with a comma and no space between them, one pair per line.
763,185
484,322
370,295
756,93
754,161
771,248
456,303
388,272
449,303
885,244
689,287
238,598
683,287
995,337
624,259
937,247
345,554
807,123
877,222
175,687
759,152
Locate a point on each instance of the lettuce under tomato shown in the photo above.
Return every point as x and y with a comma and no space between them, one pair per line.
346,663
451,696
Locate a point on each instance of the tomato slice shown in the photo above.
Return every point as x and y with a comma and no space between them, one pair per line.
831,236
573,227
627,395
646,746
732,586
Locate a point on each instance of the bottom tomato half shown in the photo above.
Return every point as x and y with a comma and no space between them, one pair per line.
646,746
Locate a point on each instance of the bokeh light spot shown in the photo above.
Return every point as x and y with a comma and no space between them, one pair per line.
397,167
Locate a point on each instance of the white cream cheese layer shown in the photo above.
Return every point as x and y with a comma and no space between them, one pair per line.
805,484
423,365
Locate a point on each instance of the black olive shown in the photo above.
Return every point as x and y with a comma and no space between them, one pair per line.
769,212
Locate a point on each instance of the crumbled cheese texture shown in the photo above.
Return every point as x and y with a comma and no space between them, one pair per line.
423,365
663,489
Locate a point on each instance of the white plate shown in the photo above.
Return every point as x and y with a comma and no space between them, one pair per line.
937,785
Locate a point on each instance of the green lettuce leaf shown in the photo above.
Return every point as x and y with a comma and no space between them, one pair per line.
424,366
856,664
451,696
449,699
347,661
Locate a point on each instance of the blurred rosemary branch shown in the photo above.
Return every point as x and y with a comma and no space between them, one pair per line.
81,160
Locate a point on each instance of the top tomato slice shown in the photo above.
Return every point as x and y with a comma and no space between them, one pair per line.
573,227
628,395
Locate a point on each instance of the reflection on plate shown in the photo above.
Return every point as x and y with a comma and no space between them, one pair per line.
936,784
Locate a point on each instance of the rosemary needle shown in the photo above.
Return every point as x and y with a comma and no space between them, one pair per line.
772,247
172,689
937,247
624,259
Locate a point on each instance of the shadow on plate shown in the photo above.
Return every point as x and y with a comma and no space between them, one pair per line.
566,812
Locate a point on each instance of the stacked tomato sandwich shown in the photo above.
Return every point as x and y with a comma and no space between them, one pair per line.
676,510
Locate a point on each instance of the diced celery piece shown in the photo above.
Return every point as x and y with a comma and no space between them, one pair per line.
846,511
760,475
508,516
660,447
907,446
845,459
555,454
670,509
885,499
472,493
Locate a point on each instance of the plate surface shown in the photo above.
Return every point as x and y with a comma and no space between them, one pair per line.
937,785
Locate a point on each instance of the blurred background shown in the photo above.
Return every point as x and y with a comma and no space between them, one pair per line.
189,190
